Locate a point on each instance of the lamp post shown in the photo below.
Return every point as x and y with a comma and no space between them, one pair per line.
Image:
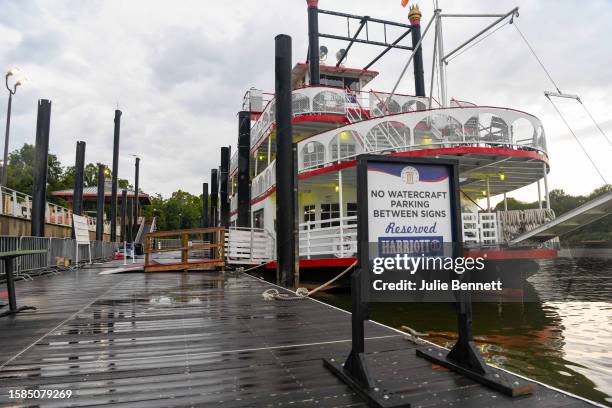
20,81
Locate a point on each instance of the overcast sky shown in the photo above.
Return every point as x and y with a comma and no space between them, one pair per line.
178,71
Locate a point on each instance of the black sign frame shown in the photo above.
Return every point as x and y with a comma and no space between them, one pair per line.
464,357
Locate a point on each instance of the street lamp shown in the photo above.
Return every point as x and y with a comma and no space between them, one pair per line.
19,82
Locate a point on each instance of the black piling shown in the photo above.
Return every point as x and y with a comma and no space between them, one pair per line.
214,198
113,204
285,179
244,145
79,168
136,203
419,79
204,220
313,41
123,214
130,220
41,152
223,187
100,204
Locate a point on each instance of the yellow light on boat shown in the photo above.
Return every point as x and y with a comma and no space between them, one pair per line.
502,176
484,193
344,135
427,140
261,157
336,188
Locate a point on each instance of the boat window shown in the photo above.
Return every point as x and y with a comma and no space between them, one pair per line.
345,142
351,211
492,129
331,80
300,104
413,105
330,211
436,129
541,138
522,132
387,135
328,102
258,219
309,215
385,107
268,179
313,154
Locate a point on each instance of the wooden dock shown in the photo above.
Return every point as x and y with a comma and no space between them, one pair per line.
208,339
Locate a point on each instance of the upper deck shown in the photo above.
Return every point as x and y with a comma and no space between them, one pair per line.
333,125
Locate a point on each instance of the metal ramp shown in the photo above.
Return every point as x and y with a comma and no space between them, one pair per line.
571,220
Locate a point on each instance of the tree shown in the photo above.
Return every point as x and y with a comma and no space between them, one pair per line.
21,172
180,211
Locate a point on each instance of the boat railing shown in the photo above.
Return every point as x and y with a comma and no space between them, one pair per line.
19,205
249,246
331,237
451,127
337,237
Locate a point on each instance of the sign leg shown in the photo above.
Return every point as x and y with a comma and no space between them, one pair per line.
465,358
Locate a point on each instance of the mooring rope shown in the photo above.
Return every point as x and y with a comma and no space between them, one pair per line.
303,293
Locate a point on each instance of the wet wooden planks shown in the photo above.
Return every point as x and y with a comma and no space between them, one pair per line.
207,339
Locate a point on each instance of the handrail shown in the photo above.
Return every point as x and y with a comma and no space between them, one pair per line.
185,246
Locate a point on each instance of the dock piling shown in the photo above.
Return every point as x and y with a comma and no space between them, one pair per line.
41,153
100,204
223,186
113,204
244,143
285,178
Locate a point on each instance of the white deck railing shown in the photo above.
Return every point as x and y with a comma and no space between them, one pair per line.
249,246
19,205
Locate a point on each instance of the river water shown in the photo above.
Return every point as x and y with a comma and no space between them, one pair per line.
564,340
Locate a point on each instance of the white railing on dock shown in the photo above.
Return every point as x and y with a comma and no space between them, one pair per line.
249,246
19,205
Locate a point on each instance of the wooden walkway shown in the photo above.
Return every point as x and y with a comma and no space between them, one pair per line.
204,339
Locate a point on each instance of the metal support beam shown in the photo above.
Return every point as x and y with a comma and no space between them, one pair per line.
419,73
386,50
214,198
223,187
285,179
355,17
513,13
244,145
370,42
100,204
362,24
41,153
79,166
113,203
313,42
130,230
205,210
136,177
123,236
546,195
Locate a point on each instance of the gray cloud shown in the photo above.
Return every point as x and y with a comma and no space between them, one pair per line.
179,72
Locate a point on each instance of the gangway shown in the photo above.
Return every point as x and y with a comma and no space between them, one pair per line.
571,220
180,253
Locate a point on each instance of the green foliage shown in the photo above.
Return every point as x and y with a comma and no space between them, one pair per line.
21,174
181,210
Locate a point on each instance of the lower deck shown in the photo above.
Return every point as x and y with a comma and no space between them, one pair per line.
208,339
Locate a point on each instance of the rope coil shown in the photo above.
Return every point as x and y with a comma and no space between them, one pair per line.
302,293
